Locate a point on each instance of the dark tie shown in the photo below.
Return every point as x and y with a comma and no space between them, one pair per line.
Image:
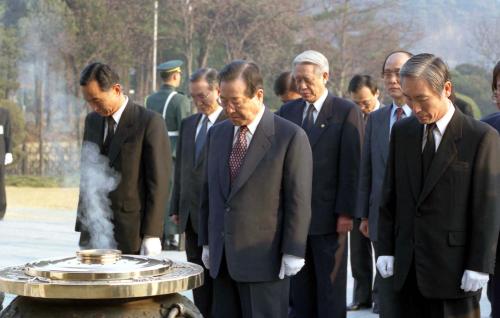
308,122
399,113
429,150
200,139
109,134
238,152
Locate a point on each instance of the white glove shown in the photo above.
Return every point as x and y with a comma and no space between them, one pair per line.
151,246
290,265
385,266
205,257
8,158
473,281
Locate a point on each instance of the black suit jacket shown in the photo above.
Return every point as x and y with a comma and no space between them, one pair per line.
140,152
266,212
450,222
188,178
336,145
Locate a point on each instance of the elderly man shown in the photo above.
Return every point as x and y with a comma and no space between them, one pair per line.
255,209
334,127
189,171
440,211
135,141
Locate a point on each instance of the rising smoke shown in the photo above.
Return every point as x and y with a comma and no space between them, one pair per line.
97,180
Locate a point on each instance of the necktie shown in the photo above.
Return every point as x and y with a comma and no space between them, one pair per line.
429,150
308,122
238,152
110,132
200,139
399,113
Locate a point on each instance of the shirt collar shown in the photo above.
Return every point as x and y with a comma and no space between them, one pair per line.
318,104
253,125
406,109
377,105
212,118
118,114
443,122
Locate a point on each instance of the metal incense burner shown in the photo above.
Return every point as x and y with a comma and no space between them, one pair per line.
101,282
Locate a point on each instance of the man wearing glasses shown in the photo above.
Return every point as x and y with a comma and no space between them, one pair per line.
189,171
364,93
174,107
373,163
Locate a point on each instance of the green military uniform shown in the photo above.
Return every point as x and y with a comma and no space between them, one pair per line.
174,107
178,108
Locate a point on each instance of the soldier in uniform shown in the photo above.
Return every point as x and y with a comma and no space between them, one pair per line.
173,106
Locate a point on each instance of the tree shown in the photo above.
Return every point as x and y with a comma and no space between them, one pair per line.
474,81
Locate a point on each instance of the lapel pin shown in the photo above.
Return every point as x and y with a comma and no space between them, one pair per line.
322,125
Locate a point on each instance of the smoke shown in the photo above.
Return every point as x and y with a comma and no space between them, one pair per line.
97,180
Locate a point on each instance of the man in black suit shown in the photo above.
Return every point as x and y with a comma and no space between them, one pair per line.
364,93
334,127
189,171
494,121
440,211
136,142
5,155
255,209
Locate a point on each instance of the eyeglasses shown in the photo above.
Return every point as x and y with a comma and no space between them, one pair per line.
389,73
365,103
201,96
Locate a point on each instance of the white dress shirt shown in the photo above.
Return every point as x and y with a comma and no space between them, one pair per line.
251,127
441,125
116,116
318,104
212,118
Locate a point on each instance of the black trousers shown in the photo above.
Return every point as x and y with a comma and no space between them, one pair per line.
362,266
202,295
494,284
416,305
388,299
319,289
3,197
249,300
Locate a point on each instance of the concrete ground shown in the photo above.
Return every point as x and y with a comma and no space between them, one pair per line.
29,233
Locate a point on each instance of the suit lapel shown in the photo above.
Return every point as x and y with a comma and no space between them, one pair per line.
383,133
296,113
414,156
321,123
446,153
222,116
191,140
261,142
224,146
124,129
96,130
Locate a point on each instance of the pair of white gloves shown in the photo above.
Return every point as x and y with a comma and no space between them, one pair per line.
150,246
290,265
471,281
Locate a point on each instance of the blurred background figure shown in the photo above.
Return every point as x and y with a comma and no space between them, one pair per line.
5,155
284,87
364,92
494,121
174,107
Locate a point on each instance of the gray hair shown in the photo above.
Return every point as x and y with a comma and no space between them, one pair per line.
209,75
312,57
428,67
